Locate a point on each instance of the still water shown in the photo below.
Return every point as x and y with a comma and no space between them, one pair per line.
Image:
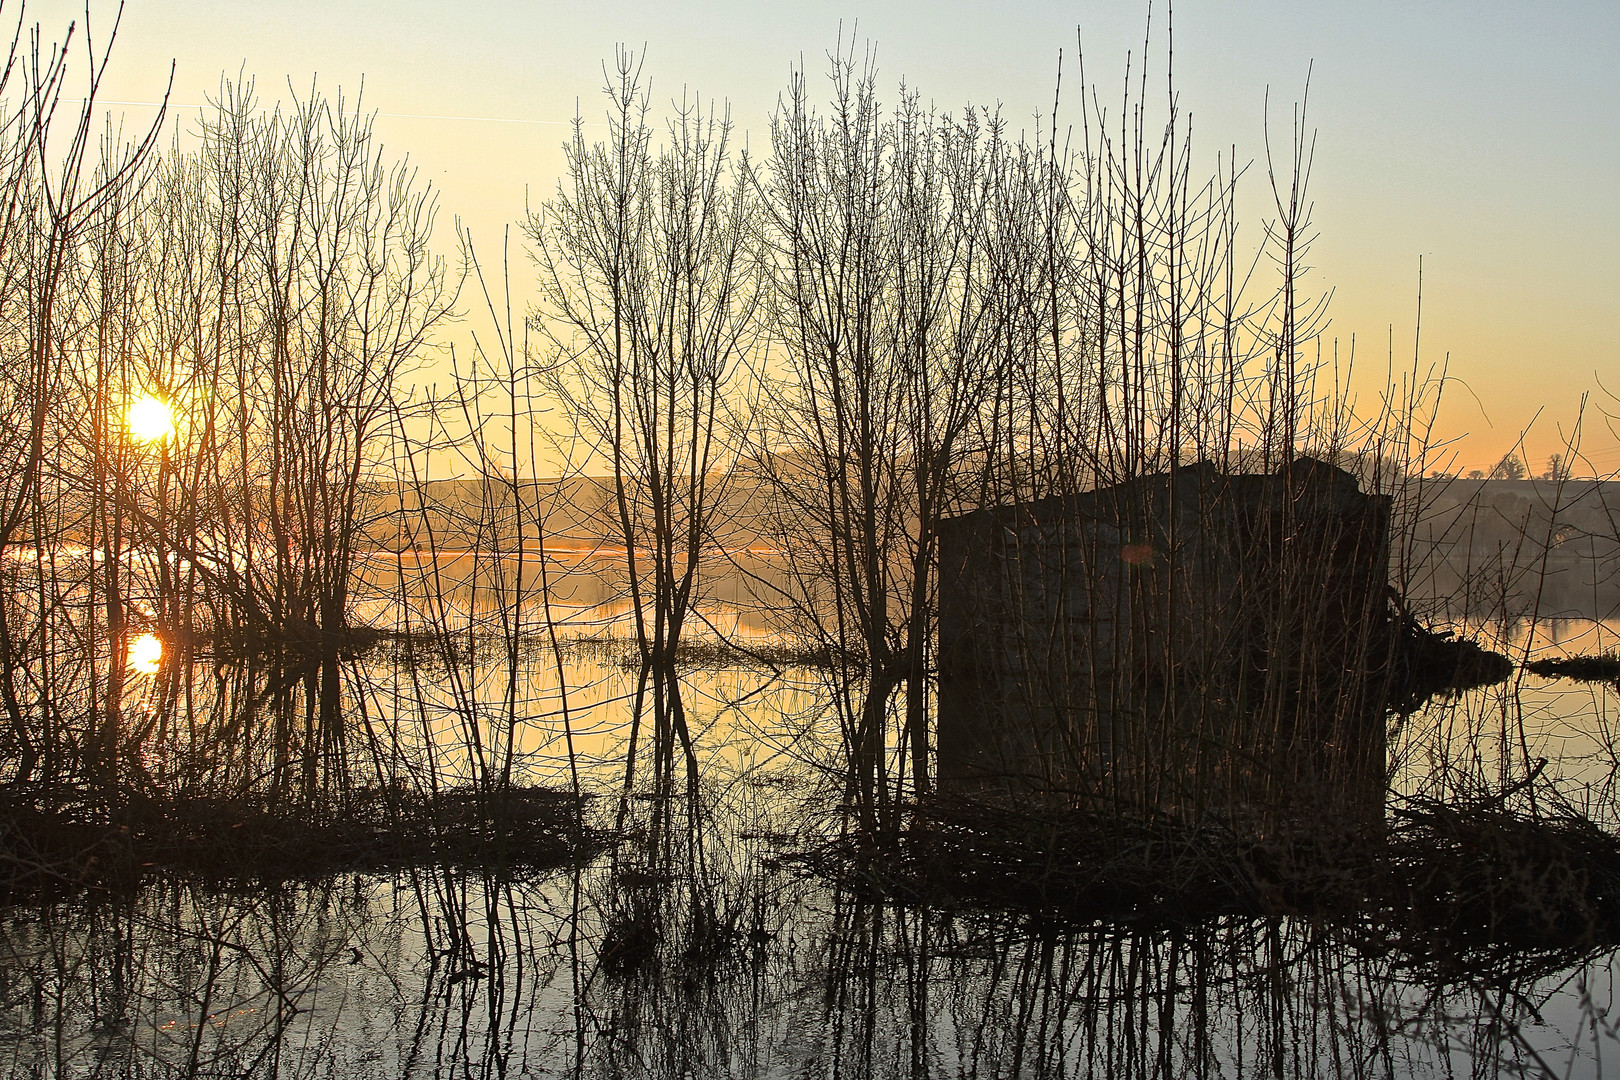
442,975
722,956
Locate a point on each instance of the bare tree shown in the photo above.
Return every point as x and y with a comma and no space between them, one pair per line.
291,290
648,283
54,194
896,341
1509,468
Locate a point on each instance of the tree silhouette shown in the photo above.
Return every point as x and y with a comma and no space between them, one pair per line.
1509,468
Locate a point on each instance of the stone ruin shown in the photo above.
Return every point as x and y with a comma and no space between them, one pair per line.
1192,644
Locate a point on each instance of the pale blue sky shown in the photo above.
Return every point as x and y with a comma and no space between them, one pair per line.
1481,136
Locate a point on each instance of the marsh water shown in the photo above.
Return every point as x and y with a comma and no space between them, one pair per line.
725,954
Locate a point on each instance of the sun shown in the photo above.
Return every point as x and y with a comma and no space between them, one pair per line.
146,654
150,419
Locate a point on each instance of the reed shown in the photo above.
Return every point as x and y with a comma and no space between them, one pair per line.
648,280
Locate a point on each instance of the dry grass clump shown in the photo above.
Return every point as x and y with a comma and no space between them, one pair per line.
1601,667
1436,881
1081,865
297,642
1428,663
78,840
1472,880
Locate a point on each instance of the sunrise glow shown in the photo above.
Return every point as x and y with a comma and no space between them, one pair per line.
150,419
146,654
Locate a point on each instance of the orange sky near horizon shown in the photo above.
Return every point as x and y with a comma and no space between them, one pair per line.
1477,137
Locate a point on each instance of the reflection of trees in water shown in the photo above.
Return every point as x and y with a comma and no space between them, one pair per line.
887,991
357,977
696,955
693,951
734,973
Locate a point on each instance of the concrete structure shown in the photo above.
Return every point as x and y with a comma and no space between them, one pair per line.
1185,643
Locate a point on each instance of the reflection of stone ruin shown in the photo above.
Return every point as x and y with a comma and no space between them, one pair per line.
1186,642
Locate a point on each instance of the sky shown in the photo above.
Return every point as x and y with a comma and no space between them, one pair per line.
1480,138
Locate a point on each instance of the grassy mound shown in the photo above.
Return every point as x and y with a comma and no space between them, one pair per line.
1603,667
85,840
1436,882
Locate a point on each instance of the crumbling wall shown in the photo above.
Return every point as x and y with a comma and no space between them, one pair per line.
1185,642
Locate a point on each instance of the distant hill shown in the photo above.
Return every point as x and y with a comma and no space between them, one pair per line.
1507,547
578,512
1475,548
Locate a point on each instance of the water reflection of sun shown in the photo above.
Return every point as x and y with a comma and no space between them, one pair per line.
146,654
150,419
